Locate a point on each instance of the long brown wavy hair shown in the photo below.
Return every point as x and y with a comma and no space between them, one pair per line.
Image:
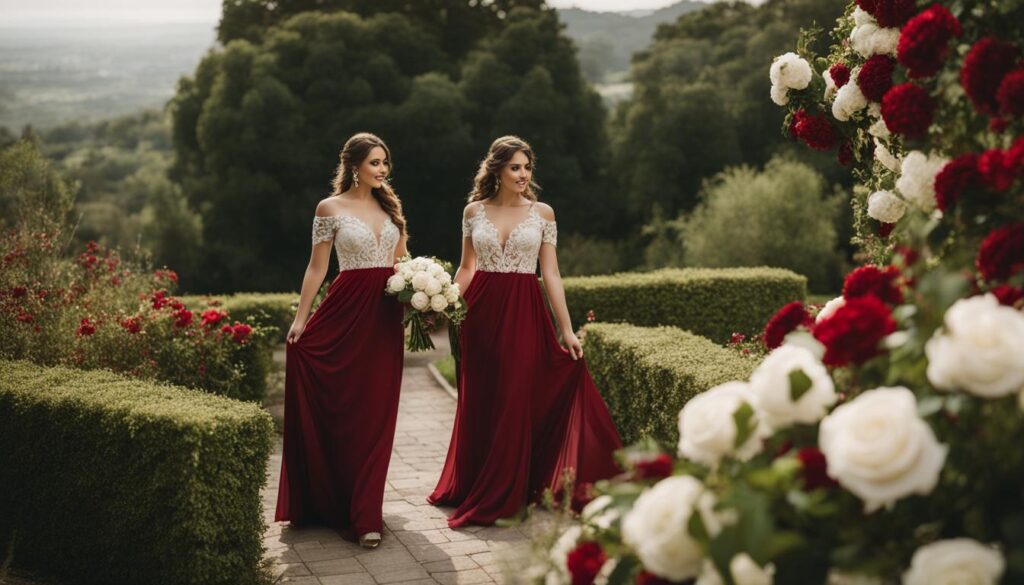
485,184
353,154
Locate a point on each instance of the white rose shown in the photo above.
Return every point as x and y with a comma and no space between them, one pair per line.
744,572
779,95
451,295
455,287
433,286
878,129
790,71
438,303
887,159
420,280
656,528
917,178
886,207
979,349
420,301
436,270
829,309
707,430
958,561
861,16
444,277
878,447
770,386
396,283
849,100
867,38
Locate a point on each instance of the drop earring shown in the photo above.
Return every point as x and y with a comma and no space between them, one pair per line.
355,178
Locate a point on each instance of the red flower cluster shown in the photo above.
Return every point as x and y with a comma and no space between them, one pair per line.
997,169
737,338
958,176
18,292
590,316
160,299
889,13
1010,95
908,110
24,317
182,317
875,77
213,317
924,42
655,468
871,280
86,328
584,562
840,74
814,469
165,274
239,331
132,324
786,320
985,66
853,332
1008,295
813,129
1002,253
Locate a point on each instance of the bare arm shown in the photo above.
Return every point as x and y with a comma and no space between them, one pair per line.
556,291
402,249
467,266
319,260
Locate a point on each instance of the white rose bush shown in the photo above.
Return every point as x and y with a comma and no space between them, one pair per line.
879,441
426,287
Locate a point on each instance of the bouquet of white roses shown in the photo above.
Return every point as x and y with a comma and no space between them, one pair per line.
425,285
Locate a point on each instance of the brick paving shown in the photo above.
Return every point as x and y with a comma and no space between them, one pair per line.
418,548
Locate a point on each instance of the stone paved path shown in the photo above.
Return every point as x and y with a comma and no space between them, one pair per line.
418,547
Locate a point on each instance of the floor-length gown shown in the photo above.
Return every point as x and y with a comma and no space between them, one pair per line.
527,411
342,380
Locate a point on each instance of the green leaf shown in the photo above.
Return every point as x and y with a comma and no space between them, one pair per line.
799,384
745,424
622,574
406,295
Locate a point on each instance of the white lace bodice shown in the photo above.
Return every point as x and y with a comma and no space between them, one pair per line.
355,243
521,249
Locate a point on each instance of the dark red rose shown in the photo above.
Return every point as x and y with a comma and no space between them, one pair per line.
226,329
871,280
241,332
160,299
867,6
182,317
845,154
840,74
655,468
959,175
1010,95
852,334
585,562
813,129
893,13
875,77
1016,155
786,320
1002,253
908,109
924,42
997,169
18,292
998,125
86,328
131,324
648,578
814,469
1008,295
884,229
985,66
213,316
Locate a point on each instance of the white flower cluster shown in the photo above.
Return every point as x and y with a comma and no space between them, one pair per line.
433,286
849,99
787,72
870,39
886,207
917,178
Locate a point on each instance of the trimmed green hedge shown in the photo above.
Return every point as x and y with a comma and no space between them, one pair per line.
646,375
713,302
275,310
105,479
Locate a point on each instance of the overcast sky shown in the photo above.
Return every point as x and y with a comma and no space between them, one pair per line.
41,11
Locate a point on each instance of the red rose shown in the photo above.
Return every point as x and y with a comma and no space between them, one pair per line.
875,77
845,154
892,13
840,74
1008,295
958,176
1016,154
908,109
985,65
870,280
1010,95
814,469
91,247
585,562
924,42
241,332
786,320
656,468
737,338
647,578
131,324
18,292
997,169
160,299
226,329
1002,253
182,317
853,332
813,129
86,328
213,316
884,229
998,125
867,6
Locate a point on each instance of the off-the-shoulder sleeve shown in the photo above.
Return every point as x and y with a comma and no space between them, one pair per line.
550,233
467,227
324,228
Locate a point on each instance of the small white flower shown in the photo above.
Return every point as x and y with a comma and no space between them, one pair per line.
436,270
433,286
957,561
878,448
790,71
656,528
420,301
886,207
979,349
917,178
420,280
829,309
770,385
444,277
849,100
707,430
779,95
396,283
867,38
887,159
438,303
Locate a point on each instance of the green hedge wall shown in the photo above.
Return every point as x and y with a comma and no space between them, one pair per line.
646,375
275,310
713,302
105,479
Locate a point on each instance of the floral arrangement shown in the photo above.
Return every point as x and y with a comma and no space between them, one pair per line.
426,286
877,441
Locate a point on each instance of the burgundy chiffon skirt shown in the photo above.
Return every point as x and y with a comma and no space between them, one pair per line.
527,411
342,382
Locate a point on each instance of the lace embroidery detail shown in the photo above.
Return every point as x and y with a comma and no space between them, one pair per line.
355,244
521,249
467,227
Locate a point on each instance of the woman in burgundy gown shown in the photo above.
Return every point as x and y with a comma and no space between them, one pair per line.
528,409
344,366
